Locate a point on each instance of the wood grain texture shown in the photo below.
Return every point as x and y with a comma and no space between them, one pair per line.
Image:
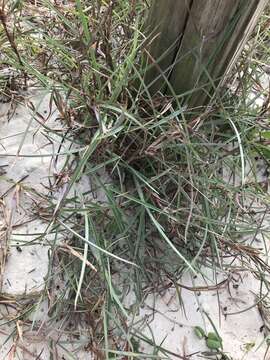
207,35
251,22
208,27
164,28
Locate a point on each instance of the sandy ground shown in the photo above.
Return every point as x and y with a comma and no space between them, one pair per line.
161,317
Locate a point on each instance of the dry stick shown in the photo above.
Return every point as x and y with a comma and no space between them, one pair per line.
13,45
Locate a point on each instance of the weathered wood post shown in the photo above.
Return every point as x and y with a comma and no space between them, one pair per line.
194,43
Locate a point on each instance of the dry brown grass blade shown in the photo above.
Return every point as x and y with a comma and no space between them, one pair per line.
68,249
4,237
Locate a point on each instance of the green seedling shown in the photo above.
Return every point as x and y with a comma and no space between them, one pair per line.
212,339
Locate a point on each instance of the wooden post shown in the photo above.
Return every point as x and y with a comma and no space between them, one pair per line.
194,43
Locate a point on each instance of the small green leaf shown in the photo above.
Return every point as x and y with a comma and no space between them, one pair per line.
199,332
213,341
213,344
213,336
265,134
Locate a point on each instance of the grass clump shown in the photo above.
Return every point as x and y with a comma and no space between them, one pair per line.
168,207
